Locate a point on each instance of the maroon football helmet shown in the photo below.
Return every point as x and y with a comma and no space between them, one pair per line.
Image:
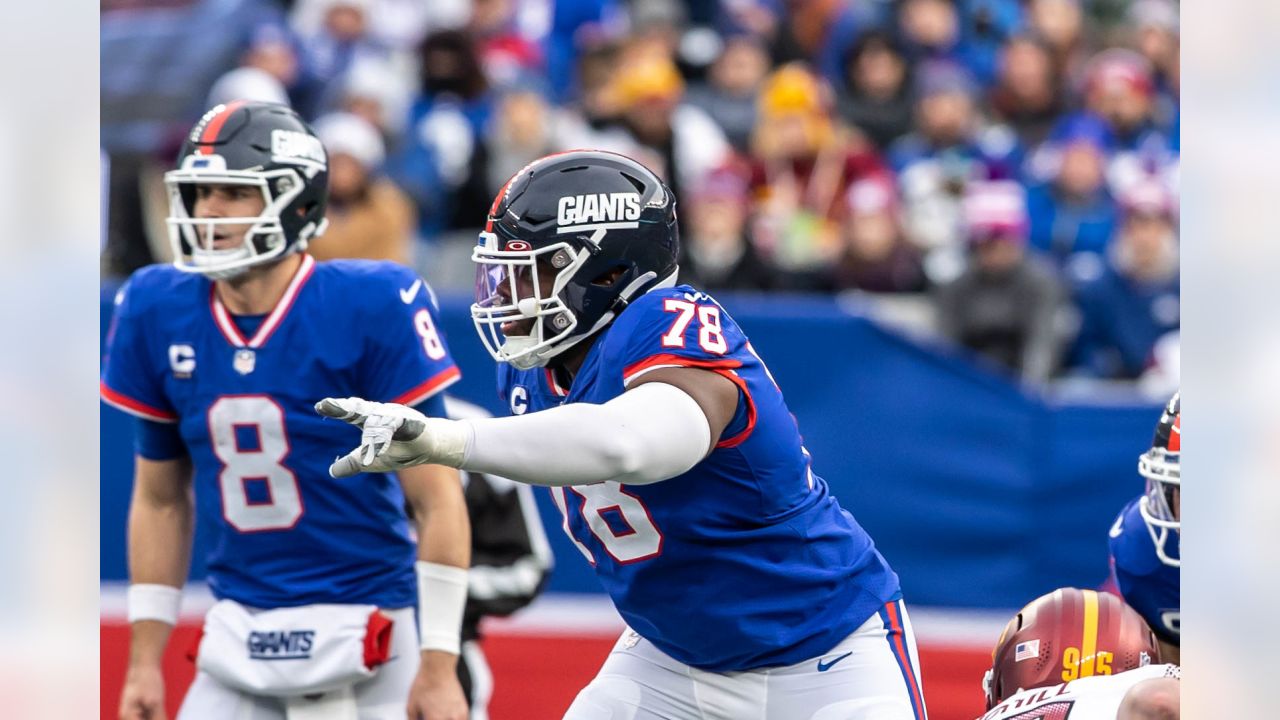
1065,635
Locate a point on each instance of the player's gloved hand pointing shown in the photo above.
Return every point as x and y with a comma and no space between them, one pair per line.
395,436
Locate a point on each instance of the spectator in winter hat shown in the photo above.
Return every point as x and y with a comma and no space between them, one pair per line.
1071,208
273,50
369,217
803,164
1155,25
949,149
717,252
877,98
340,40
947,122
1006,306
524,128
1130,301
876,258
1119,88
968,32
732,87
371,90
929,28
678,141
1028,92
1060,23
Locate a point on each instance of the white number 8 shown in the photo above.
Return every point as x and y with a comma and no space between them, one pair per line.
430,338
265,462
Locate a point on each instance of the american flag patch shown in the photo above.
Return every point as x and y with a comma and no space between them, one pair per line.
1028,650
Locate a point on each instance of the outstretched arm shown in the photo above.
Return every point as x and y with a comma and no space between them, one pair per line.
665,423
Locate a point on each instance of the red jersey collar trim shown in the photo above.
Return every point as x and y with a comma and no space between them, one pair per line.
222,318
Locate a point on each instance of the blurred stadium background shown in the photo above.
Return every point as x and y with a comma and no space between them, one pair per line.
949,226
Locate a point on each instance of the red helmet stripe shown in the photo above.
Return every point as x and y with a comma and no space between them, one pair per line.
497,199
211,130
1175,435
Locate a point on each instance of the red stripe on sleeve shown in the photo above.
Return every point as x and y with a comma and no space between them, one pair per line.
724,368
134,407
430,387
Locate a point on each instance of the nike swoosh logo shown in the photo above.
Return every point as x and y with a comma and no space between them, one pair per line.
410,292
825,666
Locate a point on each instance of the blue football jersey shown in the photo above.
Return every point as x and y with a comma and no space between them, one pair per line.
1146,584
281,531
744,561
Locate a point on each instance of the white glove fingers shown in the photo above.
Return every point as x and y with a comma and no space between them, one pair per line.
346,466
352,410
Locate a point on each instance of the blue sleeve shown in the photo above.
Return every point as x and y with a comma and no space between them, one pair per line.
158,441
407,359
131,380
432,406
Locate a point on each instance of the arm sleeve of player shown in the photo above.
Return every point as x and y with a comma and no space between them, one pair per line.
158,441
646,435
131,379
409,360
685,329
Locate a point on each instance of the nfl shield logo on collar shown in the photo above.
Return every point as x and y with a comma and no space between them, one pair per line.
244,361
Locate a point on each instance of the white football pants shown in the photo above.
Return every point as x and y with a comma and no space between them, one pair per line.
873,674
382,697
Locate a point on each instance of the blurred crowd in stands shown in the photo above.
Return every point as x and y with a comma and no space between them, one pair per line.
1012,164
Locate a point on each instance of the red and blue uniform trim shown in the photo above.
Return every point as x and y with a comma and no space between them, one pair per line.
430,386
135,407
892,614
725,368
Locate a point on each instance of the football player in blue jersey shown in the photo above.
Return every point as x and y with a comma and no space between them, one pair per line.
222,356
748,592
1145,538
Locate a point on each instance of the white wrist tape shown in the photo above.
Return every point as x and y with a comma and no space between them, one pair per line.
149,601
651,433
445,441
442,596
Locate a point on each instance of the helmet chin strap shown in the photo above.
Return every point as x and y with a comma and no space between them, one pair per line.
217,258
515,348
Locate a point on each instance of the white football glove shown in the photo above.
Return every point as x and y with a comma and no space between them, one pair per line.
395,437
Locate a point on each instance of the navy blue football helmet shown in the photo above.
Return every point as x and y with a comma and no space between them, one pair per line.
571,239
261,145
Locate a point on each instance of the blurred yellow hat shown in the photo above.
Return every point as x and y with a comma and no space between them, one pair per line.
647,78
793,89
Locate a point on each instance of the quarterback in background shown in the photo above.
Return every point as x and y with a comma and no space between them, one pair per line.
1083,655
221,356
1146,536
748,592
